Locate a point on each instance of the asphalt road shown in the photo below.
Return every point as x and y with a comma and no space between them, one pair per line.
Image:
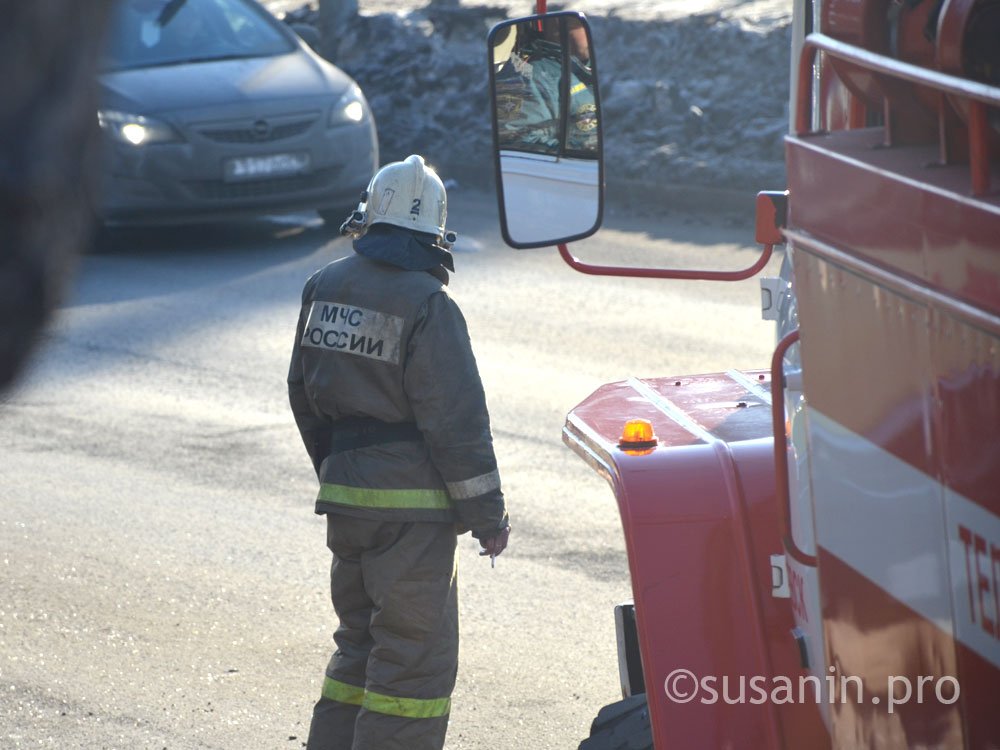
162,575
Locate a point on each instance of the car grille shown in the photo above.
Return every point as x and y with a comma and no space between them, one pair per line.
216,190
247,133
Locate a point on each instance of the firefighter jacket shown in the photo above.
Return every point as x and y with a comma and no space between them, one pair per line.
379,342
528,103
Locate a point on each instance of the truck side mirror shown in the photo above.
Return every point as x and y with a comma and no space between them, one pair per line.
548,149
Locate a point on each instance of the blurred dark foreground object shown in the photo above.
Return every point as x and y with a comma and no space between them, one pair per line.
49,52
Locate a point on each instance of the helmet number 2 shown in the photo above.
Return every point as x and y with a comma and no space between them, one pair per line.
415,208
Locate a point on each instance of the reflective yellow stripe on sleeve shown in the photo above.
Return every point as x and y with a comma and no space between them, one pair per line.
341,692
410,708
366,497
578,88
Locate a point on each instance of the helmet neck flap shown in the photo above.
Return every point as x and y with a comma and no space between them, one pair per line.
412,251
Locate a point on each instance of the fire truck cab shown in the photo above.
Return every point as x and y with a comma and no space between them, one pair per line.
814,547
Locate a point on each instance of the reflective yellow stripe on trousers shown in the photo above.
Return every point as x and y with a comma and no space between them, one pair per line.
366,497
341,692
409,708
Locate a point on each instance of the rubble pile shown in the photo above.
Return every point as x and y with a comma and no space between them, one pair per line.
699,100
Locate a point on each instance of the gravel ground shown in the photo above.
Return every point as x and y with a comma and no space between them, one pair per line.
693,93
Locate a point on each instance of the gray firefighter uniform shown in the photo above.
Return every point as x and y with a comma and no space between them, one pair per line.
388,400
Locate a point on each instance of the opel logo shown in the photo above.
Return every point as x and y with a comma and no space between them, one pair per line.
261,129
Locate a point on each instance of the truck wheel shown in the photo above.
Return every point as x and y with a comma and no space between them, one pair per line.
621,726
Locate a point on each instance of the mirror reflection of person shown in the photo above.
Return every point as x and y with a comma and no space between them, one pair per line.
527,108
582,131
528,91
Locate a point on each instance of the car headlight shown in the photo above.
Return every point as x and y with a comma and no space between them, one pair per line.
350,108
136,130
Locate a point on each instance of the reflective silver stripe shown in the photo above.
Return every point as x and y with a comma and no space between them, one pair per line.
474,487
338,327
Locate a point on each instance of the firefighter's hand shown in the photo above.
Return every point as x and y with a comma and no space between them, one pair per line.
494,545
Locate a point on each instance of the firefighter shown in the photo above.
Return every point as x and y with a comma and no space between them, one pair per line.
388,400
527,112
581,136
528,93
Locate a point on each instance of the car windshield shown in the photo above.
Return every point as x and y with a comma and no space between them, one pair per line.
146,33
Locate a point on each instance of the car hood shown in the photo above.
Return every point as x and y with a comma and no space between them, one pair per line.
220,84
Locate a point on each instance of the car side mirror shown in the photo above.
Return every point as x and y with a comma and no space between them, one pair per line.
547,142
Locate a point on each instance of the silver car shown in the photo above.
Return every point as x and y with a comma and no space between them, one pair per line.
213,108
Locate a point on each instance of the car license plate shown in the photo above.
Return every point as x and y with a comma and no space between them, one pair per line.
262,167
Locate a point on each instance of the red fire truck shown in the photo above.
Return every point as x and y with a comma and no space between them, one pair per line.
814,548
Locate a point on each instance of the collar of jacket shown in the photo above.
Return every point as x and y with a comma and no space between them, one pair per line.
412,251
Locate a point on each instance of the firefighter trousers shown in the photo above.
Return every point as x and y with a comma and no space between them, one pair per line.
388,685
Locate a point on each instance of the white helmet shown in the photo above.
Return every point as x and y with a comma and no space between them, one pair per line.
503,44
408,194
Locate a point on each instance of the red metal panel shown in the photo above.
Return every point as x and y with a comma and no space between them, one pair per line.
966,362
700,525
896,208
880,391
979,699
898,282
872,637
966,374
